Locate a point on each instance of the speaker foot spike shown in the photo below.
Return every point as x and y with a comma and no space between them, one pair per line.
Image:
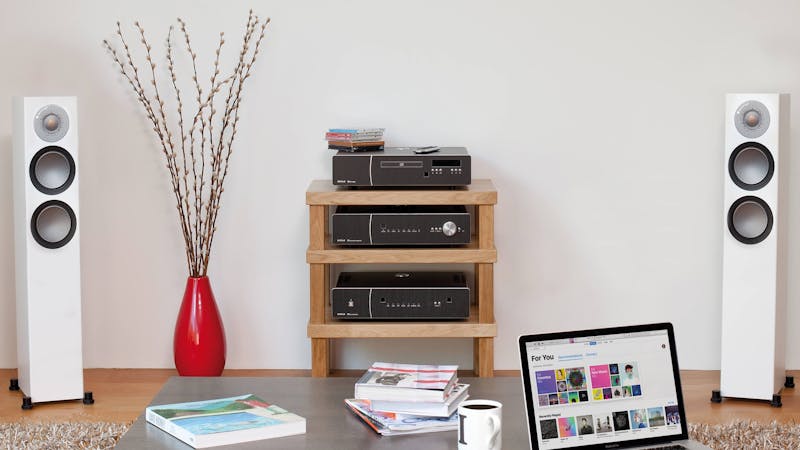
27,403
776,401
716,397
789,382
88,398
13,385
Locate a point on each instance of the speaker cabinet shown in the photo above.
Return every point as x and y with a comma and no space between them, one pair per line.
47,248
754,246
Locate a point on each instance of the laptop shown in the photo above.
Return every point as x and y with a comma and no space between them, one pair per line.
604,388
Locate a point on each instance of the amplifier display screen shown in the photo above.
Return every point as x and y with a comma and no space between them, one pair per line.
446,163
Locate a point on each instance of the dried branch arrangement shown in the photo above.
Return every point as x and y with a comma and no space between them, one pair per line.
196,143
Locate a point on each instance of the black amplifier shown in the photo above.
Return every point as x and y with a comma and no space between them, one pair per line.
400,295
448,166
400,225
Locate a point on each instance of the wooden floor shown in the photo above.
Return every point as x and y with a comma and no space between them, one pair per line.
122,394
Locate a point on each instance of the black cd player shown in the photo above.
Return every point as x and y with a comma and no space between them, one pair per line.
400,166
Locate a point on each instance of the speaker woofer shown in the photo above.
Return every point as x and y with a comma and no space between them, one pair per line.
51,123
751,166
750,220
53,224
751,119
52,170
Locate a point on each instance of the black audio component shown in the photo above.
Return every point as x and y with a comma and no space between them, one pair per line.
400,225
449,166
400,295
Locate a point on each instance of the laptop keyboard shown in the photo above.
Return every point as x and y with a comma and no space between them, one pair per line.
667,447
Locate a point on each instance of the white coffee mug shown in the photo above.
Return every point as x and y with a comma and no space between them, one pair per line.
479,425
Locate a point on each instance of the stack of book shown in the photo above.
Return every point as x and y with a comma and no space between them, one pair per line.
355,139
397,399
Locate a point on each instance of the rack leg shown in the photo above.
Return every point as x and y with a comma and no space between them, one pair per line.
320,357
483,349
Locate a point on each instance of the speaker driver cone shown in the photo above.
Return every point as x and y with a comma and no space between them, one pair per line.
51,123
750,220
53,224
751,119
52,170
751,166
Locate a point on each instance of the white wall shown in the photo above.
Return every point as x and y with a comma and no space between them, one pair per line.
600,122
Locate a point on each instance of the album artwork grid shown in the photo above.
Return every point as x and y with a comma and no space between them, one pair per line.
605,383
569,385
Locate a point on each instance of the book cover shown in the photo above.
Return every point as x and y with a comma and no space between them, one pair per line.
356,130
354,136
225,421
459,393
387,423
356,143
406,382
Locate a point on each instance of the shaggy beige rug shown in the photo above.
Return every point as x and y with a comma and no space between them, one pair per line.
104,435
61,435
747,435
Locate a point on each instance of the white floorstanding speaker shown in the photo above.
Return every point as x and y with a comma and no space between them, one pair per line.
47,249
754,247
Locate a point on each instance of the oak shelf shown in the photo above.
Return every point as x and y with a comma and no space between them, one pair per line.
321,254
322,192
332,254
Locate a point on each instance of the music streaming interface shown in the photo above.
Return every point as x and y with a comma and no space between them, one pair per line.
603,389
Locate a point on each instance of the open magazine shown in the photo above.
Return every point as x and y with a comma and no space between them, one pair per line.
389,424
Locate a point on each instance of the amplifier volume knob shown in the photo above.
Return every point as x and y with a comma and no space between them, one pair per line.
449,228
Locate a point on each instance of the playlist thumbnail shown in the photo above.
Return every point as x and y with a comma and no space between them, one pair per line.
603,424
566,427
638,418
630,374
576,379
562,386
549,428
621,421
656,416
673,415
618,380
585,425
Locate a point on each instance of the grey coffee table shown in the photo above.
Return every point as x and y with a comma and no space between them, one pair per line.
329,425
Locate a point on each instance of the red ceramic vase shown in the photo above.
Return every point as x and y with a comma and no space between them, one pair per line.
199,344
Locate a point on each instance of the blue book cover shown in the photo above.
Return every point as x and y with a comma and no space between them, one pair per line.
225,421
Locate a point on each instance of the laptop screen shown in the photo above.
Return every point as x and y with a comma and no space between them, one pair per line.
602,390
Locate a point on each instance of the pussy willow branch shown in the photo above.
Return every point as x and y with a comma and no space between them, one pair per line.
197,177
224,145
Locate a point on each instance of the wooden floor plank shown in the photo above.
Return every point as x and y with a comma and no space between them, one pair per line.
122,394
